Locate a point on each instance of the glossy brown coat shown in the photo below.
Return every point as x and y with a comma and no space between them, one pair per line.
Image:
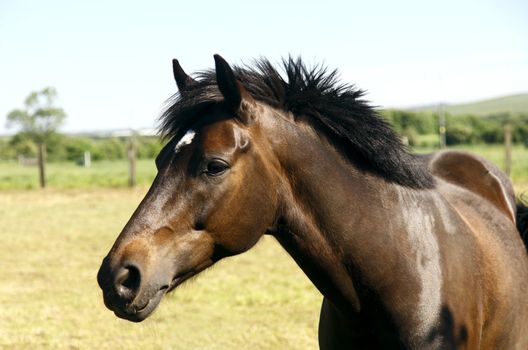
436,265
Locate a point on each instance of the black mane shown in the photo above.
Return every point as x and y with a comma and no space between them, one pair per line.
316,95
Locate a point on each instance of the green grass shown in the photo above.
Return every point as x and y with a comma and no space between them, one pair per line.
505,104
53,242
70,175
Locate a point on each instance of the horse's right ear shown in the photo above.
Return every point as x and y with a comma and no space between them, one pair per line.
227,83
183,81
236,97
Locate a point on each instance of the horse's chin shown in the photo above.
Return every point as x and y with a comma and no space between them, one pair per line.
137,312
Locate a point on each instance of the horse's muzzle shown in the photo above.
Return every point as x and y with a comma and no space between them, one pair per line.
125,294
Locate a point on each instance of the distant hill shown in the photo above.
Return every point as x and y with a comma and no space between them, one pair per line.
513,104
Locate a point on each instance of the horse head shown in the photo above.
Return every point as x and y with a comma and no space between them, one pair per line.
210,199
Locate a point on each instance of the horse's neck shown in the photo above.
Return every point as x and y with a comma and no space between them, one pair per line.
334,217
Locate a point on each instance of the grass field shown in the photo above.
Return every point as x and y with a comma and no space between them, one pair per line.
70,175
53,242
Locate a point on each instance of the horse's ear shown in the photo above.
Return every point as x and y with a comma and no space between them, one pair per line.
183,81
235,95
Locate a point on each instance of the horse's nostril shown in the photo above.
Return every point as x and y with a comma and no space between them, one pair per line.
127,282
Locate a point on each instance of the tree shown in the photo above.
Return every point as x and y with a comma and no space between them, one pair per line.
39,120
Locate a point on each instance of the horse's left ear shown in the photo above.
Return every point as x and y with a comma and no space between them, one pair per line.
183,81
236,97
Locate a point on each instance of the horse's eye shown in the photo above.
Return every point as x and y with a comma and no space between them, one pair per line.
216,167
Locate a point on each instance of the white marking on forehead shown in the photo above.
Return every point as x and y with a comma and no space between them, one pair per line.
185,140
426,262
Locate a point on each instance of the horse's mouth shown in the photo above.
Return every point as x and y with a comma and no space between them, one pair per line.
136,312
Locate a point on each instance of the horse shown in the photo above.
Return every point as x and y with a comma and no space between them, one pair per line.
409,251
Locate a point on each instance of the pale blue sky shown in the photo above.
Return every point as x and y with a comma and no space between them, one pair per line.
111,60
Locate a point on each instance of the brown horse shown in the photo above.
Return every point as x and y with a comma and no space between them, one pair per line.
413,252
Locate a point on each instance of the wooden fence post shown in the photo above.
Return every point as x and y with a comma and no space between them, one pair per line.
42,164
507,148
132,162
442,126
87,161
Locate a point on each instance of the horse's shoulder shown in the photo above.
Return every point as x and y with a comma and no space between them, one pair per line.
477,175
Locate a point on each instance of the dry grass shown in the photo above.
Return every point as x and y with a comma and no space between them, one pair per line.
53,242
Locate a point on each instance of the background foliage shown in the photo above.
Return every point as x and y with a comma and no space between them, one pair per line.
461,129
420,129
71,148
